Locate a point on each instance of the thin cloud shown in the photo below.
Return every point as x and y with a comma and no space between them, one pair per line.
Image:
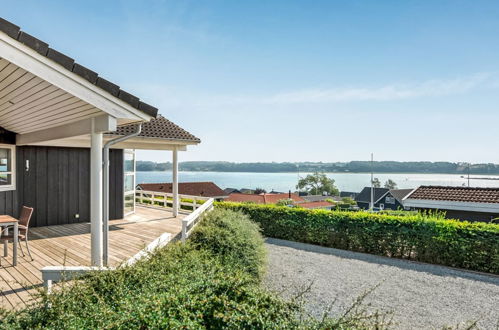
431,88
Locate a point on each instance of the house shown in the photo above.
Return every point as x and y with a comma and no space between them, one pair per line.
325,205
229,191
350,194
320,198
464,203
263,198
247,191
68,138
383,198
202,189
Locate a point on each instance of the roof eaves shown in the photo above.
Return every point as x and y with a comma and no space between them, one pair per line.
69,64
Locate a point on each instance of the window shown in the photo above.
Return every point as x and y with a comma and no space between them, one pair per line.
7,167
390,200
129,182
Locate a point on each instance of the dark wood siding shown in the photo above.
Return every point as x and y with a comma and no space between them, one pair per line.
57,184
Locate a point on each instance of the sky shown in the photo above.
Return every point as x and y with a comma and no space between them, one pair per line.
262,81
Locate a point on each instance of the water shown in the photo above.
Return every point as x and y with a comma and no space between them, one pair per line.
344,181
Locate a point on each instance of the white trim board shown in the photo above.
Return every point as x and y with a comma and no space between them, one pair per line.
52,72
452,205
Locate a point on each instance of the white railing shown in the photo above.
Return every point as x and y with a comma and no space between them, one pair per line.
190,221
52,274
154,198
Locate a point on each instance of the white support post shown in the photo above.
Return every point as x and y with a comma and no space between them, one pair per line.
175,183
96,196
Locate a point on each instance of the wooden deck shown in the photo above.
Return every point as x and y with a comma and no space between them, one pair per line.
69,245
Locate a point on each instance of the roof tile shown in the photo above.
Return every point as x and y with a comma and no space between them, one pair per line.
159,127
85,73
33,43
457,194
66,61
9,28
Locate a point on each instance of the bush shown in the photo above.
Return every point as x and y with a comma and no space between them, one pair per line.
425,238
234,237
209,282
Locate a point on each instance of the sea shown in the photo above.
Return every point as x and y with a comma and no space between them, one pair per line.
344,181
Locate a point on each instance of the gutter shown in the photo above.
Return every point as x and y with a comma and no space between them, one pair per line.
105,206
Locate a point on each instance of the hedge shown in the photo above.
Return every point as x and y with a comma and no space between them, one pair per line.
425,238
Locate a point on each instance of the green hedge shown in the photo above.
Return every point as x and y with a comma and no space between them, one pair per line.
424,238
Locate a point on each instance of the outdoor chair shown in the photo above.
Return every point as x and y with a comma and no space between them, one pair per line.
23,227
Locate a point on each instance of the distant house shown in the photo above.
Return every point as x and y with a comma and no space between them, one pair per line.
320,198
229,191
263,198
316,205
464,203
383,198
350,194
202,189
246,191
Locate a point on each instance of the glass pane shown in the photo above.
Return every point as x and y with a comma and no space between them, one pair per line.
5,179
129,203
129,182
5,160
128,163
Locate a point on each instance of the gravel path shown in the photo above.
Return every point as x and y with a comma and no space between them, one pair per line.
421,296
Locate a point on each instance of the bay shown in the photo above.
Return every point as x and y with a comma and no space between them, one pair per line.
344,181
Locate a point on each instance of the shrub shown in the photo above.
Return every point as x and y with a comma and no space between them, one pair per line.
424,238
233,236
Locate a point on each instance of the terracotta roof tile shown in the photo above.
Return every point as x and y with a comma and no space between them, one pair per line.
457,194
262,198
203,189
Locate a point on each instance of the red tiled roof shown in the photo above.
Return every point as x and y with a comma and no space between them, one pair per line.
262,198
203,189
457,194
315,205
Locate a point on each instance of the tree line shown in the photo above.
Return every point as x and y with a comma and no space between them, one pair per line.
341,167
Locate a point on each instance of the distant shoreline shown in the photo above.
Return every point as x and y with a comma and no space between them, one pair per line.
337,172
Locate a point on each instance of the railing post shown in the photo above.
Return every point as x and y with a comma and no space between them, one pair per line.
184,230
194,204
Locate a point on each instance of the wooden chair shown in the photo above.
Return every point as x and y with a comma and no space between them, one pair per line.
23,226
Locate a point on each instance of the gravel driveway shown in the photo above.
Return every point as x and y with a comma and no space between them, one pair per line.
421,296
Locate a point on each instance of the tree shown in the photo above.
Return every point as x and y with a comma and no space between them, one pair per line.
390,184
318,184
348,200
376,183
284,202
259,191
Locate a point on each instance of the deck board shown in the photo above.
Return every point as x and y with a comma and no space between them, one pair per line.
70,245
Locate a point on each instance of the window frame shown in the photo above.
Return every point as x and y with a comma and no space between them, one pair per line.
12,172
129,173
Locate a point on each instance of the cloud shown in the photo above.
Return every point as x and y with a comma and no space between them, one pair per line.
392,92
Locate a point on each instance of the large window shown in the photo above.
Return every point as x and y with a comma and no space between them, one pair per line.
7,167
129,182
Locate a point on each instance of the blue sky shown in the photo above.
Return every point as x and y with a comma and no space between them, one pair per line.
296,80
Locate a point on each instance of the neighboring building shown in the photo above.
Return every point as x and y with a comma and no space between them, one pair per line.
316,205
363,199
263,198
246,191
320,198
392,200
229,191
202,189
351,194
464,203
383,198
